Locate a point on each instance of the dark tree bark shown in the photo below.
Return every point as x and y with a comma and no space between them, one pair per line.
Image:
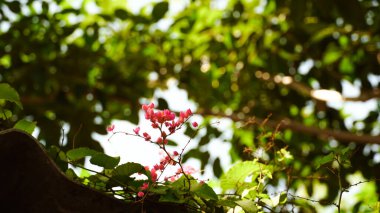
31,182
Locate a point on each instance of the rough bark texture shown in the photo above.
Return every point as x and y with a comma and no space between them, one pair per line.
31,182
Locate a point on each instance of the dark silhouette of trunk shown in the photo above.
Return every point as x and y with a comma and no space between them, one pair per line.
31,182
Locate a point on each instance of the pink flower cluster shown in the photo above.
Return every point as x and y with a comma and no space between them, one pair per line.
166,117
167,123
160,167
188,170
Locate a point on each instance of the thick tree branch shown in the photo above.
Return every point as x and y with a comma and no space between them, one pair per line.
304,89
286,123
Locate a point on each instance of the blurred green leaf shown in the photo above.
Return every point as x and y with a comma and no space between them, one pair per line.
323,33
79,153
162,104
5,114
217,168
105,161
346,66
121,14
14,6
235,177
25,125
204,191
171,143
159,10
9,94
331,56
325,159
128,169
247,205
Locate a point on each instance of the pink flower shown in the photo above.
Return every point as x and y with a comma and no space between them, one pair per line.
195,124
175,153
136,130
156,167
162,167
189,113
146,136
110,128
159,140
140,194
179,171
153,174
189,170
145,186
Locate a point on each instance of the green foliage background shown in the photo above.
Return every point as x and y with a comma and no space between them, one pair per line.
84,67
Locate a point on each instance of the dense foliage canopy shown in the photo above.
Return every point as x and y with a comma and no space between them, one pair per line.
86,63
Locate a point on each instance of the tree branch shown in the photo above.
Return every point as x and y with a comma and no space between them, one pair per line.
304,89
287,123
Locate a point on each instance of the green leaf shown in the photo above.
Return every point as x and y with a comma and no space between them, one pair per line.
217,168
344,151
331,56
105,161
45,7
171,198
181,183
228,203
283,197
128,169
5,114
325,159
171,143
71,174
121,14
14,6
346,66
25,125
235,177
161,190
9,94
323,33
79,153
247,205
204,191
58,156
159,10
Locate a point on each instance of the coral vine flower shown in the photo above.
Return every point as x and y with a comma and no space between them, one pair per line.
146,136
140,194
167,123
189,113
159,140
136,130
145,186
153,174
110,128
